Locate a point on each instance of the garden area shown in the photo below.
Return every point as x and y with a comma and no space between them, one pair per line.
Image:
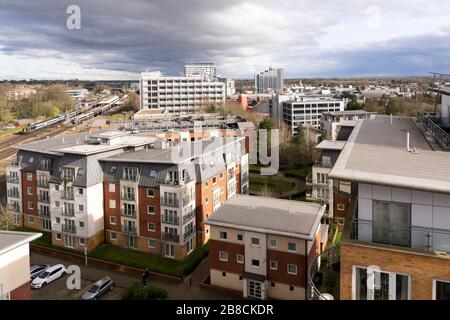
139,292
272,185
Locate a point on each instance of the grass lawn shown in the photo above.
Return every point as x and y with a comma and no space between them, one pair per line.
275,185
7,131
45,240
301,172
154,263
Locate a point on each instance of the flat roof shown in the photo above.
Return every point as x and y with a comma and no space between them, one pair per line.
376,153
331,145
346,112
9,240
109,134
268,215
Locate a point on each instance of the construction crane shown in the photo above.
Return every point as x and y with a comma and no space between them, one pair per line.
437,76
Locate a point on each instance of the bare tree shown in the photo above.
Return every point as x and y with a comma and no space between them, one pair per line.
6,219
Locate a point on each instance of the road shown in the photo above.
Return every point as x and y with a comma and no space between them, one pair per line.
179,291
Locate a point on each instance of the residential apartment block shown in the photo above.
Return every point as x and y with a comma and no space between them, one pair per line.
137,191
175,94
262,247
397,226
337,125
269,81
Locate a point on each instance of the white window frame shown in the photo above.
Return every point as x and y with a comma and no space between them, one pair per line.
111,219
340,207
112,204
148,226
225,254
111,187
58,236
295,245
271,244
238,260
253,244
150,196
148,210
30,191
275,267
434,286
223,233
29,176
149,245
253,266
296,269
111,237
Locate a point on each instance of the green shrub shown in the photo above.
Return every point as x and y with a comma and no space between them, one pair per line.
138,292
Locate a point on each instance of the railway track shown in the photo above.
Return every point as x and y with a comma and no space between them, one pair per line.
6,149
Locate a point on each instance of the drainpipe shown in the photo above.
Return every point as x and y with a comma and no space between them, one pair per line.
306,270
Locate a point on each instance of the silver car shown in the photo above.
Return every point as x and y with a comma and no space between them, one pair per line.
98,289
36,270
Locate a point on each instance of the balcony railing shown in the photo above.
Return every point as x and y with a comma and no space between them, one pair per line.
432,125
68,195
323,276
421,238
186,200
188,217
170,220
188,235
309,181
323,164
44,213
69,228
128,213
129,229
12,179
68,178
14,163
13,194
44,199
170,237
42,183
68,213
128,196
130,177
14,208
170,203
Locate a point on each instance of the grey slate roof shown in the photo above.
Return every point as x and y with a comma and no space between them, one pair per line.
268,215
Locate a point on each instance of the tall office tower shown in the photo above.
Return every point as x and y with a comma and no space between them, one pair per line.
271,80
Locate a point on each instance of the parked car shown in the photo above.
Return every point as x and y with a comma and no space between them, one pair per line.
49,275
98,289
37,269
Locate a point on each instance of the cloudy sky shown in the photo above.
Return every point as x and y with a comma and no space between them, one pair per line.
309,38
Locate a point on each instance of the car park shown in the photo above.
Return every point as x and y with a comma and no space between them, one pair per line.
37,269
49,275
98,289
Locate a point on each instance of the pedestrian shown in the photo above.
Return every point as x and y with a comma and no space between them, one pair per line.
145,277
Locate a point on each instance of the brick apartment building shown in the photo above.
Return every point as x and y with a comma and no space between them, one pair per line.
134,187
262,246
397,227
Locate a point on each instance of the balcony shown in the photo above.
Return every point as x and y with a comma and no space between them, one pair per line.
68,213
188,235
128,196
12,179
129,229
188,217
415,237
68,195
170,202
431,124
324,276
323,164
69,228
14,208
170,220
128,213
186,200
13,163
42,183
67,179
13,194
44,199
130,177
310,182
44,213
170,237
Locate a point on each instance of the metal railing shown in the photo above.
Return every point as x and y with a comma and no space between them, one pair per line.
170,220
13,163
431,124
42,183
130,177
68,213
170,237
129,229
323,164
12,179
44,213
174,202
68,178
128,213
421,238
186,200
44,199
69,228
13,194
188,235
323,276
68,195
188,217
128,196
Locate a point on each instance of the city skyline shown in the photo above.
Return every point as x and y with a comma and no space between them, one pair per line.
307,39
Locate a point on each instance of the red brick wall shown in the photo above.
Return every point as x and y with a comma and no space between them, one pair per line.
281,275
233,249
144,217
107,210
27,198
340,199
21,293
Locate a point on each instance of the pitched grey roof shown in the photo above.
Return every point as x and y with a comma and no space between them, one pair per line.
268,215
375,153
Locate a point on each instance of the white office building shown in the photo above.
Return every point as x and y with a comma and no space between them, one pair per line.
176,94
207,71
271,80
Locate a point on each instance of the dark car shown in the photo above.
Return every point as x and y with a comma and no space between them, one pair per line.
98,289
36,270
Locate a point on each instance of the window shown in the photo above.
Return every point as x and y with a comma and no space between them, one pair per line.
80,190
224,274
441,290
292,246
255,241
150,209
272,284
340,206
80,207
30,191
214,180
113,236
240,277
340,221
81,224
56,187
112,204
206,184
240,258
170,250
273,265
46,224
221,175
255,263
111,187
152,173
223,235
206,200
57,204
58,236
291,288
223,256
150,193
112,220
240,237
273,243
30,205
58,220
82,241
29,176
391,223
152,243
292,269
151,227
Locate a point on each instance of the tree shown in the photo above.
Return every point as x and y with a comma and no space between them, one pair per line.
299,135
132,102
353,105
267,123
6,219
